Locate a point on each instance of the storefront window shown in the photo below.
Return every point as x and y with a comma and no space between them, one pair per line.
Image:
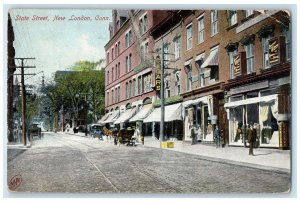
269,130
236,124
207,127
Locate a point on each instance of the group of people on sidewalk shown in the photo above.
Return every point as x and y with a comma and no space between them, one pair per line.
218,136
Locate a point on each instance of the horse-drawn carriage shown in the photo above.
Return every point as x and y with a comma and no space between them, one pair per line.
120,136
35,131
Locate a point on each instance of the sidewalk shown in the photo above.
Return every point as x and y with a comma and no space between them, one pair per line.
271,159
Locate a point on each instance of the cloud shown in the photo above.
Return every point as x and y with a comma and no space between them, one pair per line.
87,50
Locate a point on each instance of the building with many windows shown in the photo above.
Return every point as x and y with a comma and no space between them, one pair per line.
229,68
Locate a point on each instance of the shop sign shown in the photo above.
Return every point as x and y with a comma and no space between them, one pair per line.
276,50
157,81
239,64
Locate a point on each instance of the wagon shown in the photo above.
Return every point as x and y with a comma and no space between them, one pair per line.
125,136
35,131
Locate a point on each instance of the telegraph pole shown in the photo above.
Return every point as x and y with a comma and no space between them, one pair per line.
162,96
24,136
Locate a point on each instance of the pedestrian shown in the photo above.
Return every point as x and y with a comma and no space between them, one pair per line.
193,135
217,136
251,134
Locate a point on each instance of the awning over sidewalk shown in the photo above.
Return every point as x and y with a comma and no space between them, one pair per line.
142,114
212,59
104,118
268,98
195,101
114,115
172,113
126,115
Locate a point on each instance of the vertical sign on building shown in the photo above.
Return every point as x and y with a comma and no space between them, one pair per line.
239,64
276,50
157,74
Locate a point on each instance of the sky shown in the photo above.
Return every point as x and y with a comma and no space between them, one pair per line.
57,45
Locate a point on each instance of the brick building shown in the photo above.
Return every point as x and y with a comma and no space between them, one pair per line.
129,58
229,68
226,57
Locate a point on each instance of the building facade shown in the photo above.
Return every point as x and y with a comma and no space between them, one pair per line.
229,68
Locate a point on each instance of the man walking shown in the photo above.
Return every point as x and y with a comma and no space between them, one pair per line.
251,134
217,137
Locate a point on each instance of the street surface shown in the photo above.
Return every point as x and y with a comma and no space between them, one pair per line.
70,163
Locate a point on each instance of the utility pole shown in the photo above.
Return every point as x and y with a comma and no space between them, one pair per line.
162,96
24,136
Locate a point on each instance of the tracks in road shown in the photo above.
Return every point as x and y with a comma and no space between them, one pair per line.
136,167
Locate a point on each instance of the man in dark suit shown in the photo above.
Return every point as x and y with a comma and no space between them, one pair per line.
251,134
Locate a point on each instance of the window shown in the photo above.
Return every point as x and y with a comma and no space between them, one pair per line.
248,13
199,62
265,48
116,48
201,29
142,54
112,96
146,85
189,80
139,85
189,37
231,64
214,22
107,98
107,77
126,90
249,58
112,74
232,17
177,82
118,70
129,62
177,47
116,95
134,88
129,38
288,37
112,53
107,58
130,89
166,54
143,24
214,73
119,47
146,50
119,95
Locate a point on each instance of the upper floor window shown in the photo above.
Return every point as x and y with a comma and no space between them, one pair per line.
107,58
107,98
249,58
107,77
130,89
139,85
265,49
231,62
232,17
134,87
189,77
201,29
112,53
142,54
118,70
214,22
288,38
129,62
127,90
112,96
116,48
166,54
248,13
199,61
112,74
128,39
146,85
119,43
143,24
189,37
177,47
177,82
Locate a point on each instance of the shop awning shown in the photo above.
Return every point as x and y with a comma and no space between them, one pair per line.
114,115
195,101
268,98
212,59
199,57
104,118
172,113
125,116
187,63
142,114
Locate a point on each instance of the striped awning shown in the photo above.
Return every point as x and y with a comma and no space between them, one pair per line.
172,113
143,113
212,59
